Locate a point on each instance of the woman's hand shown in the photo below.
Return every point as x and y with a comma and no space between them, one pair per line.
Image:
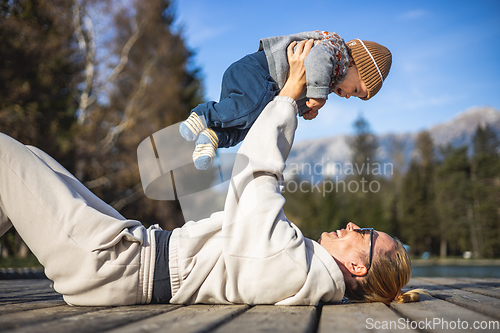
296,81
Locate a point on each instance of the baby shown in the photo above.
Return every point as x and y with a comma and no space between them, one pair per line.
356,69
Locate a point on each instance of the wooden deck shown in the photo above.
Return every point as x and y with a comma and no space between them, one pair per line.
33,306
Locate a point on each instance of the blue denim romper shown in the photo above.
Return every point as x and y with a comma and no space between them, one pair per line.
247,87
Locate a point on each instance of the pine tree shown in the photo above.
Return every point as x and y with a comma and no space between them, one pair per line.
39,69
453,188
485,220
52,95
363,146
395,204
364,206
154,85
420,216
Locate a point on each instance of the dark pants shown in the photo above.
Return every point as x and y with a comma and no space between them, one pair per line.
162,292
247,88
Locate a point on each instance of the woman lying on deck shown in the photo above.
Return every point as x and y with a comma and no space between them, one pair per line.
248,253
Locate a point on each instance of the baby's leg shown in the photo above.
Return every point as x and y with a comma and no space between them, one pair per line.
230,137
212,138
192,127
246,89
204,152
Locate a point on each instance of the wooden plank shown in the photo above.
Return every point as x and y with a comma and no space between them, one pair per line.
92,319
474,285
24,306
488,280
359,317
23,280
273,318
194,318
20,287
22,291
431,314
487,305
20,281
25,291
495,280
37,316
27,299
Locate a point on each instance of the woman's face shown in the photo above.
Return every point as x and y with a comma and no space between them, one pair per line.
352,85
351,248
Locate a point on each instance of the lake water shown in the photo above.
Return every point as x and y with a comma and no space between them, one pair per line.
456,271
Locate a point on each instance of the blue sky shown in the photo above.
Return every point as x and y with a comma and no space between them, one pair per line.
446,54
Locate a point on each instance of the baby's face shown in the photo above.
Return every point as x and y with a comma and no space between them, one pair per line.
352,85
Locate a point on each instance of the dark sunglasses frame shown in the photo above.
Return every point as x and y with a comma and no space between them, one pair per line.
363,231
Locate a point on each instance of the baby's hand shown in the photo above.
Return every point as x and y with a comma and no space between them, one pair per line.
314,104
311,114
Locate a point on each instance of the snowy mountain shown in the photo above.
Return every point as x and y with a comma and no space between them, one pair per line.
328,157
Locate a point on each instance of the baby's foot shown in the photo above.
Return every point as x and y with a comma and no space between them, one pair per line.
191,127
206,145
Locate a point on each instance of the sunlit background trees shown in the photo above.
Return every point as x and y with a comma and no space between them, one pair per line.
88,99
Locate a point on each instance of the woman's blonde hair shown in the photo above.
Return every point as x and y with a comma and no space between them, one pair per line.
386,277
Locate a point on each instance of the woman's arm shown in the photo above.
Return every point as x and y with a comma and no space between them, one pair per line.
253,214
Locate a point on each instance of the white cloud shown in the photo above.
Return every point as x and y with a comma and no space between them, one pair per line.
422,103
413,14
196,18
199,33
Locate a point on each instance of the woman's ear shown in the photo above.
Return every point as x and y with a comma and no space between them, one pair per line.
356,269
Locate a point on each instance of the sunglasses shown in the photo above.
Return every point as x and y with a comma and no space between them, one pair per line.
364,231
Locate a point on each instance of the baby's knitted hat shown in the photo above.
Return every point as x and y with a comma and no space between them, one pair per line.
373,62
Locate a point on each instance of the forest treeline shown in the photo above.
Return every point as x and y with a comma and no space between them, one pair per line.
445,203
86,81
88,92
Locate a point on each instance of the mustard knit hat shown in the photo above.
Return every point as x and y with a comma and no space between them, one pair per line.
373,62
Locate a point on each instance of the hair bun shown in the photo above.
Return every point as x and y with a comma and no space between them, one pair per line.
409,296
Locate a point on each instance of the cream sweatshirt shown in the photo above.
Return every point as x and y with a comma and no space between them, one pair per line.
251,253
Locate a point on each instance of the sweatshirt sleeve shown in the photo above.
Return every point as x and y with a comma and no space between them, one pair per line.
326,65
254,223
256,256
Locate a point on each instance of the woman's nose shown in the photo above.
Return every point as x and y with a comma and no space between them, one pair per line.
351,226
